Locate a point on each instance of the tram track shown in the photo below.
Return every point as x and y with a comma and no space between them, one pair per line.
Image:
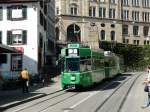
61,96
62,92
116,90
62,100
126,95
49,98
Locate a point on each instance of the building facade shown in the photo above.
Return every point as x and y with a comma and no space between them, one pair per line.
92,21
27,25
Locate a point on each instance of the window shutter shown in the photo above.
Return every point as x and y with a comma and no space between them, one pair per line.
9,13
0,37
24,37
1,13
9,37
24,12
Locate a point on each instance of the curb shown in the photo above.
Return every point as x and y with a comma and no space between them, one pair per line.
7,106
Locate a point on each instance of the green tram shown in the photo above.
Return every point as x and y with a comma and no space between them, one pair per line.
82,66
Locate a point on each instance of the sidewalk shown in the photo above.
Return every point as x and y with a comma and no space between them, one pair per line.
10,98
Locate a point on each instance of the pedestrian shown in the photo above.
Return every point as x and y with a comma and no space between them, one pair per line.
25,80
147,83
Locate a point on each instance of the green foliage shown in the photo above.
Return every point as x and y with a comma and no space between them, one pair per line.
135,56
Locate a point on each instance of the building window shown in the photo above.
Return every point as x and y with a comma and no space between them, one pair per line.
125,15
102,12
16,62
125,30
145,16
135,30
135,15
112,25
73,9
41,4
145,3
112,1
136,42
102,35
93,0
102,25
112,35
112,13
92,11
145,31
0,37
135,2
41,18
17,12
45,8
146,42
126,41
1,13
125,2
16,37
40,40
101,1
57,10
45,24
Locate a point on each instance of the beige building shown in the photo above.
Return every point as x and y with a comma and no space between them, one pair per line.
91,21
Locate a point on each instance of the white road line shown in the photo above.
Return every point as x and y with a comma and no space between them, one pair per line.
91,94
78,103
81,101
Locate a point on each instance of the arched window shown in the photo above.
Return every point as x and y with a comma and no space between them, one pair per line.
73,33
73,9
112,35
57,33
102,35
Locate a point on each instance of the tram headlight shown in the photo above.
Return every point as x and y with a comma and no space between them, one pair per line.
72,78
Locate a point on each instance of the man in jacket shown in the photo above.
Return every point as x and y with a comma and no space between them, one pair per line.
25,80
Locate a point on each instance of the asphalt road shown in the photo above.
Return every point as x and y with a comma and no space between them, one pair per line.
121,94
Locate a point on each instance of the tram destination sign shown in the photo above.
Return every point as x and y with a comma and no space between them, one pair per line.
73,45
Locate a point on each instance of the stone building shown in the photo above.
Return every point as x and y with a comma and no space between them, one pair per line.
92,21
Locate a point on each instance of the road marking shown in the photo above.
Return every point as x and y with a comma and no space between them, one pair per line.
78,103
91,94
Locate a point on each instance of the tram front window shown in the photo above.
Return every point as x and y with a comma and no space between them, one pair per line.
72,65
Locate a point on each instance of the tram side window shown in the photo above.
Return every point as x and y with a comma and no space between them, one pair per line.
97,64
85,64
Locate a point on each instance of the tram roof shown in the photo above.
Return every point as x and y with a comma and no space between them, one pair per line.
7,49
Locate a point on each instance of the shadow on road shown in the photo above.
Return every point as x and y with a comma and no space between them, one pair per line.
12,97
111,83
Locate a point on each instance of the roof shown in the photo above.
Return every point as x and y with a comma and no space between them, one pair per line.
17,1
7,49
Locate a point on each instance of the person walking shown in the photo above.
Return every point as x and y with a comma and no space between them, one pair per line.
147,83
25,80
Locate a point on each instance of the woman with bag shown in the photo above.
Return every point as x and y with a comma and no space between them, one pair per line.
147,86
